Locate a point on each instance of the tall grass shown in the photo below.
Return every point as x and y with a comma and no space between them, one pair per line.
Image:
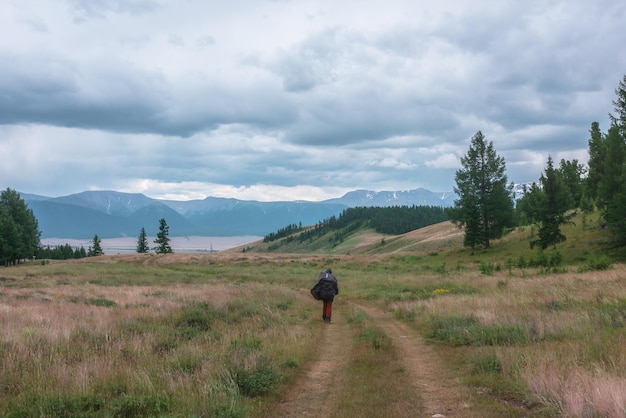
220,335
206,348
557,341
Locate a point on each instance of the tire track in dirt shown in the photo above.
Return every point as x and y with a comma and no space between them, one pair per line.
439,393
316,393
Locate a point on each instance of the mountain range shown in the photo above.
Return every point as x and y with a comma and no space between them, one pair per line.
111,214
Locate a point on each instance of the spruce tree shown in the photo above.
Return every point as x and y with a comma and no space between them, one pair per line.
19,229
552,207
142,242
162,240
96,248
484,207
597,154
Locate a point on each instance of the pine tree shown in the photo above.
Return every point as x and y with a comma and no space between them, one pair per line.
162,240
552,207
96,248
142,242
528,205
19,229
571,174
484,207
619,105
597,154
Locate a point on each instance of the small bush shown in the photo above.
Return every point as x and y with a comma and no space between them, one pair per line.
601,262
487,268
58,406
291,364
194,319
257,382
140,406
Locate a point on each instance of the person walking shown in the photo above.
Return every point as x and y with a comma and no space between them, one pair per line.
326,289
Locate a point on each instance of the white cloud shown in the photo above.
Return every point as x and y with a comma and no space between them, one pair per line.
445,161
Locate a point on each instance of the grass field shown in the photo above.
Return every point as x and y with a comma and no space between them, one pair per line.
227,334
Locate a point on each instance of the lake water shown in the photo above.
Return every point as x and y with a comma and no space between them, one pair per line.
178,244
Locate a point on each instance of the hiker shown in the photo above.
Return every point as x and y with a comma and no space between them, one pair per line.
325,289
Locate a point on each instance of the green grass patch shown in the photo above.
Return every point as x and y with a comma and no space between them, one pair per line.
467,330
375,337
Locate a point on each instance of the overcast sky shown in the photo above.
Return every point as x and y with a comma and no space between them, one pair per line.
283,100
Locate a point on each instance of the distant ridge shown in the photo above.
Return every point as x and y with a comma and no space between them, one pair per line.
417,197
113,214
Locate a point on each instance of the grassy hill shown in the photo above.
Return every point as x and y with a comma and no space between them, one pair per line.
586,242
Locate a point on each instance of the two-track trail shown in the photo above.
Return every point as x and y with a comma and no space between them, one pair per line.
318,390
439,393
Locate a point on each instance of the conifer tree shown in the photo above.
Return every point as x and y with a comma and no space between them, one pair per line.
597,154
484,207
96,248
606,182
571,174
162,240
552,207
142,241
19,229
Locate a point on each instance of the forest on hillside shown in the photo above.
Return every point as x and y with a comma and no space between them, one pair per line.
394,220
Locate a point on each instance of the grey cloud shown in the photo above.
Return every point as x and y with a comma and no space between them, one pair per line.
368,119
62,93
205,41
88,9
310,63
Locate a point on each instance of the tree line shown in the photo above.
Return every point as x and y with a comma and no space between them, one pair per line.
485,207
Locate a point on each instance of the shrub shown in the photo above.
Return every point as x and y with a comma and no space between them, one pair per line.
194,319
257,382
140,406
486,268
58,406
598,262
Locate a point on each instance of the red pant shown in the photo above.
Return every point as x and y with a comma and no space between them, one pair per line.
328,309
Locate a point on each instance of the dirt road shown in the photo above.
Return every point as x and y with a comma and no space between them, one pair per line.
317,391
315,394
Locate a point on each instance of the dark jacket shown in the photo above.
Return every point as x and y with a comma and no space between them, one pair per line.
326,287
